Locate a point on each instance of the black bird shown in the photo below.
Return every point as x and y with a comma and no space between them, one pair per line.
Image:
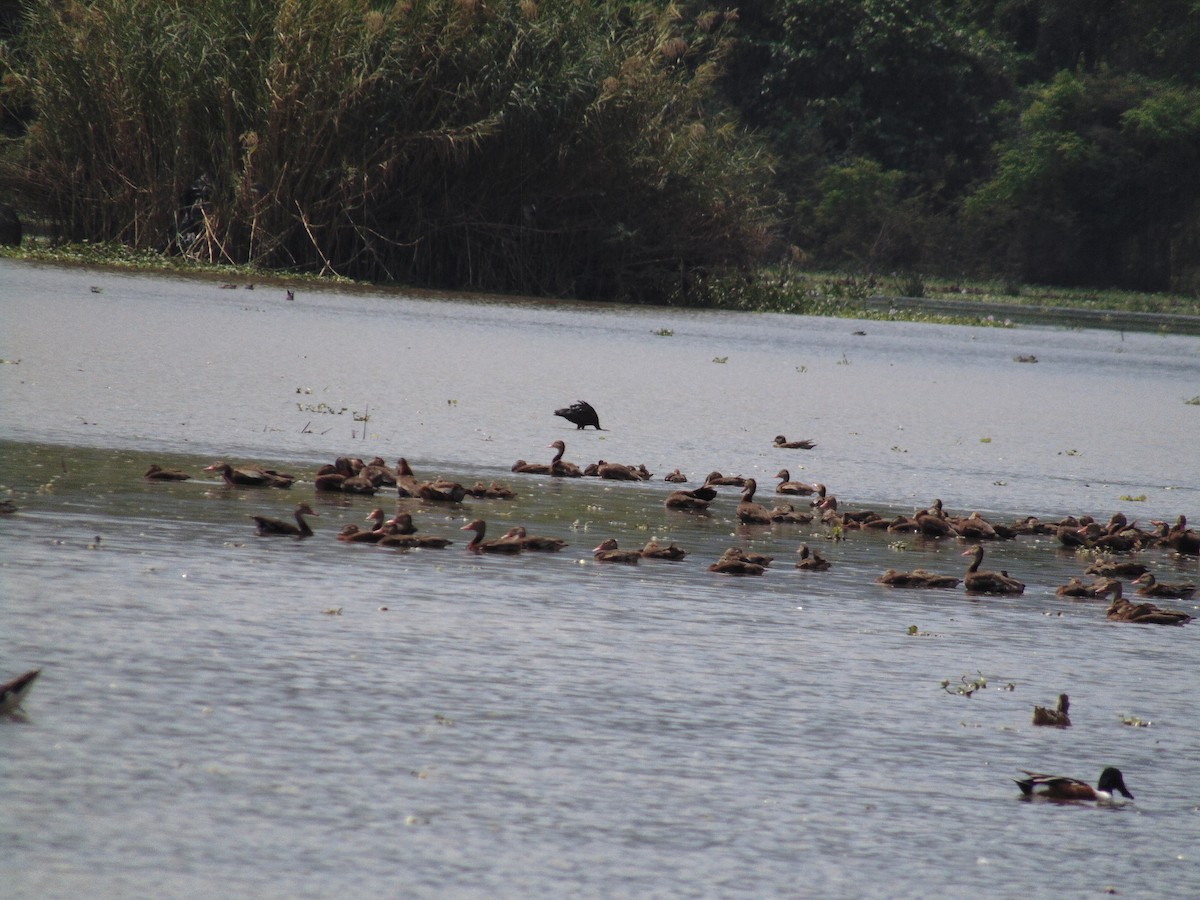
581,414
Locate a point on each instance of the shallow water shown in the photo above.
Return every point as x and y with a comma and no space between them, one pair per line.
544,725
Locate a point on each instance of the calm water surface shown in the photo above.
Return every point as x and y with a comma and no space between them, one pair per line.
544,725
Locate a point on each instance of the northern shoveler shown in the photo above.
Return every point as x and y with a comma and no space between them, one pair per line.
1063,789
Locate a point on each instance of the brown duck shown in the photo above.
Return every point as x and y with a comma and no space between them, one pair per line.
748,512
1151,587
1057,718
609,552
811,560
977,582
787,486
917,578
784,444
478,545
269,527
654,550
158,473
251,477
532,542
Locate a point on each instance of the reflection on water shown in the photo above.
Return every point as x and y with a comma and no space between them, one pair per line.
306,717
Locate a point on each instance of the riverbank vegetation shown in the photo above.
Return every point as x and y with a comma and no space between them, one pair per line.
640,151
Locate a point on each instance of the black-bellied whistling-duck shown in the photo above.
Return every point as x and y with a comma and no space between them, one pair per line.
1061,789
609,552
1109,568
250,477
732,563
359,483
749,512
402,536
759,559
1058,717
1077,589
977,582
478,545
557,467
580,414
14,691
786,514
441,491
158,473
269,527
820,491
654,550
352,534
492,491
855,519
406,479
1147,613
329,478
696,499
1182,539
932,522
717,478
380,473
917,578
1151,587
532,542
617,471
787,486
784,444
811,560
675,477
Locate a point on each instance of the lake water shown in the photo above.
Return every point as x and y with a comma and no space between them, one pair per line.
223,713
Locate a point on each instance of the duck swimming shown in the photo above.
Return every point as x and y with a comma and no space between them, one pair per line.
1064,790
977,582
784,444
1058,717
609,552
478,545
269,527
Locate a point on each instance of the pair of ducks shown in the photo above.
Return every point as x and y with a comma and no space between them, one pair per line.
609,551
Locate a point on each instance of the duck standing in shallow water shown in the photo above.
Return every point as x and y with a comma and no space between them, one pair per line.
977,582
1065,790
268,527
1057,718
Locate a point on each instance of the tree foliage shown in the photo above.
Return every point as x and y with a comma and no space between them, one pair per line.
545,147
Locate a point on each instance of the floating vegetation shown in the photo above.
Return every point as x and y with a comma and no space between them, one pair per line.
913,631
721,359
985,440
1069,453
1195,401
844,361
803,369
1135,721
664,332
322,407
968,685
1130,498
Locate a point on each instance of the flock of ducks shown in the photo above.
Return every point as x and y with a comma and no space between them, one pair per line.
1103,541
351,475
